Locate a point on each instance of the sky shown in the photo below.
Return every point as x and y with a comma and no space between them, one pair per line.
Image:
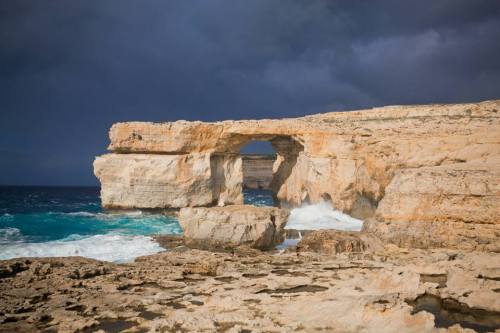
70,69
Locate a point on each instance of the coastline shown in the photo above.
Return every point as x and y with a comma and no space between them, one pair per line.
194,290
418,250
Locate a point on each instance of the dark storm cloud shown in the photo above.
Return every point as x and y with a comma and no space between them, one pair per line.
69,69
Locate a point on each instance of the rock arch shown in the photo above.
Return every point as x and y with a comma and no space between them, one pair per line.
431,164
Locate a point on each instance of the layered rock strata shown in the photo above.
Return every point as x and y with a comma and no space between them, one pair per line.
257,227
403,167
258,171
168,181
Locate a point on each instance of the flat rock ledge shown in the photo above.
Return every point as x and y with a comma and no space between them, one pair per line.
334,242
392,291
256,227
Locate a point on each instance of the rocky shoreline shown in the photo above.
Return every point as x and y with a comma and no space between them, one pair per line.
382,289
424,179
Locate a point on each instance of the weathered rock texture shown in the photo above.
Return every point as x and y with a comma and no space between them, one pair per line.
198,291
168,181
334,242
258,227
258,171
431,165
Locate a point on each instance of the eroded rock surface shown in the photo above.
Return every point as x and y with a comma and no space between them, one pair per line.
198,291
403,167
335,241
257,227
168,181
445,206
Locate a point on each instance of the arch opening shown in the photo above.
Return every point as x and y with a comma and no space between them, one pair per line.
258,158
267,163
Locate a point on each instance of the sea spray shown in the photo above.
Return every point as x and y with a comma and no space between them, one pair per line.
321,216
108,247
10,235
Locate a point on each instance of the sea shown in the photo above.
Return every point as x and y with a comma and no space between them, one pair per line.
69,221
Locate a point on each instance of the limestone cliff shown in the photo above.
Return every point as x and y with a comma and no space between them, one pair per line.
428,165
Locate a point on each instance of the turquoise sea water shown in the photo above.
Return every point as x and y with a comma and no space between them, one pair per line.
64,221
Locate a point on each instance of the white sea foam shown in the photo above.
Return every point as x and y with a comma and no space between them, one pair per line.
85,214
133,213
9,235
109,247
288,242
130,214
6,217
321,216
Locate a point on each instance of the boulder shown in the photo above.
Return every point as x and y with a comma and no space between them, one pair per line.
258,227
336,241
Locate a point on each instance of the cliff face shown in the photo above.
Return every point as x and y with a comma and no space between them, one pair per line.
258,171
168,181
428,165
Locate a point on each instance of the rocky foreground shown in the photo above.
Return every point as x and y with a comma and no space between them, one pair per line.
189,290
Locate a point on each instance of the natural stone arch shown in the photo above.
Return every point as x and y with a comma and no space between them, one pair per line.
431,165
287,150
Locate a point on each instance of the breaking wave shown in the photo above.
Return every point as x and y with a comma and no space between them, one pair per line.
10,235
321,216
6,217
69,221
108,247
107,215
